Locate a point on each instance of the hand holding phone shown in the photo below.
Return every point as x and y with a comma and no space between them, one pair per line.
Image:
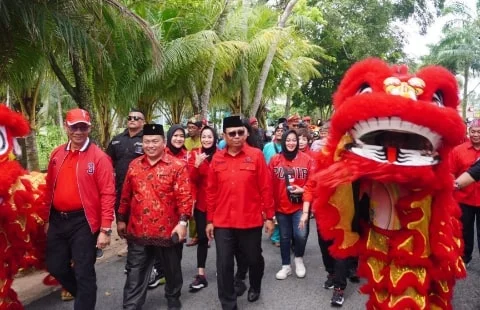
175,238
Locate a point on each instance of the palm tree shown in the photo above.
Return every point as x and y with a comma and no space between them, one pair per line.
459,49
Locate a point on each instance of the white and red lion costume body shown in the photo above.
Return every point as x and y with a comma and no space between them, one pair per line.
22,210
386,168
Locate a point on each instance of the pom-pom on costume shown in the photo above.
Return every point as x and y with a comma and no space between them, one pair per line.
386,168
22,237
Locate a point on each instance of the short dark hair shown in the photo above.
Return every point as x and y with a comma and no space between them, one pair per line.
304,132
136,110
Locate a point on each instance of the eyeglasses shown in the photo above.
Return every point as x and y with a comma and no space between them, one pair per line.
134,118
233,134
82,128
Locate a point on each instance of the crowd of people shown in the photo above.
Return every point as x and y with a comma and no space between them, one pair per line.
164,188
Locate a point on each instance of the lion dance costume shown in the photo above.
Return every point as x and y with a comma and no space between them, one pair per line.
385,194
22,237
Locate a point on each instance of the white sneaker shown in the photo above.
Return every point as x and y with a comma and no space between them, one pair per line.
284,272
300,267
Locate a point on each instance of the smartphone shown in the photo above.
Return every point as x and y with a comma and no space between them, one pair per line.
175,238
291,188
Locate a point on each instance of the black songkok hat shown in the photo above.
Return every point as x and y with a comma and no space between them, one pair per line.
153,130
232,121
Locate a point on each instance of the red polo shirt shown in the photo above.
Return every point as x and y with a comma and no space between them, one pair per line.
461,158
239,189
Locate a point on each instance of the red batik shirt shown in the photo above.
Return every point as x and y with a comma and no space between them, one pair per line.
154,199
239,189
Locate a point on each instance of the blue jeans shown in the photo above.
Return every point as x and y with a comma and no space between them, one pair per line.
288,224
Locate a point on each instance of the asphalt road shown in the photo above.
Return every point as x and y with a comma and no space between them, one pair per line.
291,293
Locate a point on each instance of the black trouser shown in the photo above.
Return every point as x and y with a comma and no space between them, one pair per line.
242,265
141,259
469,213
69,239
202,247
249,241
336,267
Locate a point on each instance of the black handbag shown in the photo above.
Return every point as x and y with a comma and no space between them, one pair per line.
292,197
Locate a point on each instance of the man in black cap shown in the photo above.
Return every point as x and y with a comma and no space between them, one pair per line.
156,203
239,194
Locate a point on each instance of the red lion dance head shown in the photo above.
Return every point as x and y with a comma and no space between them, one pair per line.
386,168
21,202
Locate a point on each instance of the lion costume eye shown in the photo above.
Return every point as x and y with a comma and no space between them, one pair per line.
364,89
438,99
3,140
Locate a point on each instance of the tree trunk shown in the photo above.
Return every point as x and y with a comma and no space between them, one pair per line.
466,73
268,60
245,84
59,108
83,91
32,151
194,96
288,103
206,93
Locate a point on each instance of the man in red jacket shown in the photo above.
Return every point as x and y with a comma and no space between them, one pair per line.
239,195
80,196
156,202
468,197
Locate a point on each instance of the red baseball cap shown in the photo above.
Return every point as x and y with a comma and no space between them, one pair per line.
75,116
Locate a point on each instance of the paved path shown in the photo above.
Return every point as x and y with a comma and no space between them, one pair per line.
288,294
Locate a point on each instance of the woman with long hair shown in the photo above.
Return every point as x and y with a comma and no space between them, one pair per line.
199,176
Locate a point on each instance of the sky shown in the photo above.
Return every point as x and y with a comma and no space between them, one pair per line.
417,45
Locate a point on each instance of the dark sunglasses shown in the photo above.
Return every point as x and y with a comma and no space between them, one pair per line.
82,128
233,134
134,118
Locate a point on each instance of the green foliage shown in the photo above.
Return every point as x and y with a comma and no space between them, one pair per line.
48,138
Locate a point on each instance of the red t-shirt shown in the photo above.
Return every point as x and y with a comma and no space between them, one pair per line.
302,166
66,197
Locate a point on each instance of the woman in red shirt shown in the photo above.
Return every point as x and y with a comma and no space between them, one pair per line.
290,171
199,177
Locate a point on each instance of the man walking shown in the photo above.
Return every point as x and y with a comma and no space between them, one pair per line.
461,158
239,194
156,203
123,149
80,195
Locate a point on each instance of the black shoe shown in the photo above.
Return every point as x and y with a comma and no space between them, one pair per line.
240,287
337,298
329,282
253,295
99,253
199,283
352,276
174,304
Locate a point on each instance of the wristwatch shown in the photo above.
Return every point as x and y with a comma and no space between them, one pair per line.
106,231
